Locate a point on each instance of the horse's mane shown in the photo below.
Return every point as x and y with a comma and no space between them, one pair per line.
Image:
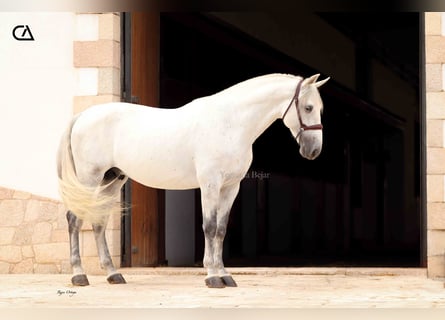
255,80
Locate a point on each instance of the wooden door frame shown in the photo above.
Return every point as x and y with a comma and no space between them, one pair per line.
143,222
335,91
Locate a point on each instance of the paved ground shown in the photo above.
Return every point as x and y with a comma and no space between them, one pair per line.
257,288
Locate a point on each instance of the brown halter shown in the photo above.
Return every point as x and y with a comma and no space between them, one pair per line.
303,127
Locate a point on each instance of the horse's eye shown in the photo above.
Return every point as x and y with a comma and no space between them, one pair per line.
309,108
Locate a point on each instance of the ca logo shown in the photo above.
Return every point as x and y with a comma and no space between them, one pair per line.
22,33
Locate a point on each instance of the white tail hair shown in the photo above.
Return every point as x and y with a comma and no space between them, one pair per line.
92,204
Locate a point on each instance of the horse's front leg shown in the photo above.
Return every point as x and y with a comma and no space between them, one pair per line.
227,197
210,192
106,262
215,217
74,224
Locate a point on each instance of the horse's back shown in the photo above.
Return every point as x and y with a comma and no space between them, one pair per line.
150,145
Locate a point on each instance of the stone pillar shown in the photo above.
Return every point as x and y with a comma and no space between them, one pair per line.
435,131
97,59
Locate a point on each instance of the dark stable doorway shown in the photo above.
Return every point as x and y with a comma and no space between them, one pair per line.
346,208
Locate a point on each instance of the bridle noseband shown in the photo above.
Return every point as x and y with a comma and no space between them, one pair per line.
303,126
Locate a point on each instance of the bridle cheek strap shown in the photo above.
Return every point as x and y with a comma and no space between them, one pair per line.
303,126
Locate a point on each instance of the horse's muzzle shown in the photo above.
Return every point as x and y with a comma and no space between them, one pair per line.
310,146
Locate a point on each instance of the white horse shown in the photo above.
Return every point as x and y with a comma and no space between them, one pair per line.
205,144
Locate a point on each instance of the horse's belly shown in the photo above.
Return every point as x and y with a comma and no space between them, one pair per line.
162,173
166,180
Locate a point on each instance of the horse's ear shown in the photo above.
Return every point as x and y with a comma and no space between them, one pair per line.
322,82
311,80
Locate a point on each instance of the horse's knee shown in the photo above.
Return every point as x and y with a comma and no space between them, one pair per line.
209,226
221,232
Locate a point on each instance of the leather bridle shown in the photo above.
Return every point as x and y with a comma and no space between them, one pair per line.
303,126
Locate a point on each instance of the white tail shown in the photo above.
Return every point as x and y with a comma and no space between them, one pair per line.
92,204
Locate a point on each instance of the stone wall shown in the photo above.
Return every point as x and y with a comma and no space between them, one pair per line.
33,234
435,131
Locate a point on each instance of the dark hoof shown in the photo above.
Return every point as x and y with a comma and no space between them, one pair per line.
116,278
214,282
80,280
228,281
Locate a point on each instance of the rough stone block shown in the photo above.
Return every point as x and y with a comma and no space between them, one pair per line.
11,254
101,53
46,268
433,77
435,188
25,266
6,193
433,23
60,236
91,265
14,210
436,243
6,235
65,267
114,223
109,81
42,233
27,252
51,252
114,241
88,244
434,49
23,235
435,105
435,161
435,133
109,27
41,210
436,267
4,267
436,217
22,195
61,221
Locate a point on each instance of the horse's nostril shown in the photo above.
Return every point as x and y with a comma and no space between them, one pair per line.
314,153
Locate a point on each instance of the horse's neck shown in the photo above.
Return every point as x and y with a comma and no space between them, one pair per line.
255,107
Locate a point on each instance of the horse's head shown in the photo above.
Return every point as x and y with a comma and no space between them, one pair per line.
303,117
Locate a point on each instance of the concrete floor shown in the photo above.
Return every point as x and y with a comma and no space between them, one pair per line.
257,288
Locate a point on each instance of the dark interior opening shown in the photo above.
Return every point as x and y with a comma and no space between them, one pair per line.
353,206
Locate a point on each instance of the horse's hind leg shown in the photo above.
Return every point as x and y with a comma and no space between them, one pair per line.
74,224
106,262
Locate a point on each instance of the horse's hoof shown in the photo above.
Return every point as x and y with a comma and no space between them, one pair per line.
116,278
214,282
80,280
228,281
